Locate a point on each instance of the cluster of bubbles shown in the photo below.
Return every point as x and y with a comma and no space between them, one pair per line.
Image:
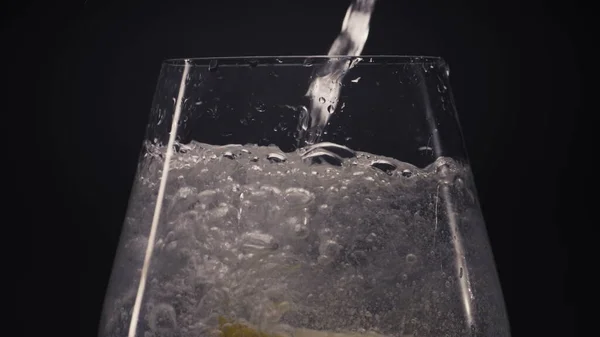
324,238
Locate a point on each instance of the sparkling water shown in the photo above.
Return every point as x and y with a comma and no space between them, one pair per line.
324,239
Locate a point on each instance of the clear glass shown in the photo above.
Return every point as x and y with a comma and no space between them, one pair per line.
376,230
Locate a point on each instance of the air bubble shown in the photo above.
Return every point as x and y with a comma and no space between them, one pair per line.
383,165
459,183
325,233
329,250
321,155
298,228
298,196
271,189
411,258
322,100
406,173
162,318
330,109
340,150
255,242
358,258
276,157
445,174
371,238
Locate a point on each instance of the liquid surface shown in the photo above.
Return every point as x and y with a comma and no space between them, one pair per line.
325,239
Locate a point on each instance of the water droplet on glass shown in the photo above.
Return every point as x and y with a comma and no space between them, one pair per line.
213,65
260,107
321,100
304,117
276,157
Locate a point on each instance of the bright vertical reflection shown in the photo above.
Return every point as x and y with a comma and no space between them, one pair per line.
459,258
459,250
161,193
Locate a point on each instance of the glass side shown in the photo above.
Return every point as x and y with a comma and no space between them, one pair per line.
238,227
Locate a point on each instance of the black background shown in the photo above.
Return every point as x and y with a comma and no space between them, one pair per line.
81,76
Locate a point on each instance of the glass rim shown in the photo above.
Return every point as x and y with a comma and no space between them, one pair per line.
306,60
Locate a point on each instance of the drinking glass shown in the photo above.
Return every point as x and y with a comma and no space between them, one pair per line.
237,226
